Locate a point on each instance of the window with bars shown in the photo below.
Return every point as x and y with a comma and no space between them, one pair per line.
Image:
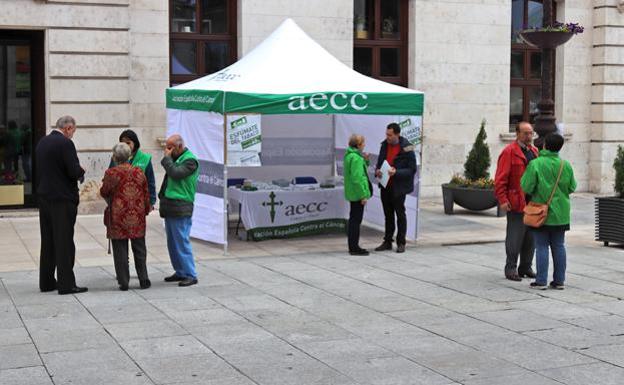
202,37
380,39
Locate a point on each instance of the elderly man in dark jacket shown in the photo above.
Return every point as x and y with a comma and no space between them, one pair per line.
399,153
176,196
58,174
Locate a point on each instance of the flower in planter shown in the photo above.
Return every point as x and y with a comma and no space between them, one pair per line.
574,28
8,178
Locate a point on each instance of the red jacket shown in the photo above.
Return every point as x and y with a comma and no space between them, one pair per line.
125,188
509,170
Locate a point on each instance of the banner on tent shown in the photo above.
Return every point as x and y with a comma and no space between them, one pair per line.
244,140
365,103
284,214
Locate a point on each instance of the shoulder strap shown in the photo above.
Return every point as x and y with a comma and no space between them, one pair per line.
552,194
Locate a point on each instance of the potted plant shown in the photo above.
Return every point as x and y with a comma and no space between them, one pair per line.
610,210
474,190
360,27
388,27
550,36
11,189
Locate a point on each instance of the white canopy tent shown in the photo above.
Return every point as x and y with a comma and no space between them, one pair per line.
287,74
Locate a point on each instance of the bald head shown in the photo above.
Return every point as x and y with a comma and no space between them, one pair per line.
524,133
175,144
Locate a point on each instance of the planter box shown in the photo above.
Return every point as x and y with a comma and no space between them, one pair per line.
542,39
609,220
11,195
468,198
361,34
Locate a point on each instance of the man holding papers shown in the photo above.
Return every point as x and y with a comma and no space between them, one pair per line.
395,169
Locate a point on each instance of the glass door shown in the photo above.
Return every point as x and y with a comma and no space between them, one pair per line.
18,122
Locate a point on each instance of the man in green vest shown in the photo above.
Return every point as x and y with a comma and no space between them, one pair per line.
176,196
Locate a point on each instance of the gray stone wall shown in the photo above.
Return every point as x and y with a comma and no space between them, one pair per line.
607,106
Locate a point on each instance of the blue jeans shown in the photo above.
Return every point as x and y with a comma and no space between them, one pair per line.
555,240
178,231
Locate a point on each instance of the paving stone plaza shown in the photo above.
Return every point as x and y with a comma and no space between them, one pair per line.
305,312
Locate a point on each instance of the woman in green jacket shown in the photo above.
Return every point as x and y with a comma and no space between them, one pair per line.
357,189
539,181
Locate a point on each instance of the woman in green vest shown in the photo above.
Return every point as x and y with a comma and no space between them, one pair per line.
357,190
141,160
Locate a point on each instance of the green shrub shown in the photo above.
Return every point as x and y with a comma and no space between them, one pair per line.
618,165
478,160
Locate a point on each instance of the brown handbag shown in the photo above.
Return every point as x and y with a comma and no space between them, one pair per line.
535,213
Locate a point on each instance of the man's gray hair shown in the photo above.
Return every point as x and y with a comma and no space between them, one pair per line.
65,121
121,152
179,141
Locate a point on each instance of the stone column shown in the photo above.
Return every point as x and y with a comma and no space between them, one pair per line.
607,115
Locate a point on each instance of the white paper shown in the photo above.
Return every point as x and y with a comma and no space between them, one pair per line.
385,176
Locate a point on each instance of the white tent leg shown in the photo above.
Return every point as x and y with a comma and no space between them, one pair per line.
225,187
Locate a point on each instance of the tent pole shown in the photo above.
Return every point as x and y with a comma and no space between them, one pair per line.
225,178
333,174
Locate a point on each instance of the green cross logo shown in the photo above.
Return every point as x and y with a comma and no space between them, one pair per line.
272,203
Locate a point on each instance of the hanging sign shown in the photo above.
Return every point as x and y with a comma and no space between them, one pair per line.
244,140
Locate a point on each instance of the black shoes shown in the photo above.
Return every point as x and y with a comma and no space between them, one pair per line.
187,282
145,283
556,286
123,287
73,290
384,246
400,248
513,276
527,274
538,286
174,278
359,252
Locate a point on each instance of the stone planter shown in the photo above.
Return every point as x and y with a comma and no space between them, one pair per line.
609,220
542,39
468,198
11,195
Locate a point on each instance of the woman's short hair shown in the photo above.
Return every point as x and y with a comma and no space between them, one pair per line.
355,140
121,152
553,142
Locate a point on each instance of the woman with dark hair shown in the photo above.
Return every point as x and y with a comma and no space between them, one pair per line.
550,179
357,190
139,159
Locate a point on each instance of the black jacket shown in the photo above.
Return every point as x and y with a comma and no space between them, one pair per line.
58,168
405,164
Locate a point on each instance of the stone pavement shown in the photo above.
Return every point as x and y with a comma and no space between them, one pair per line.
305,312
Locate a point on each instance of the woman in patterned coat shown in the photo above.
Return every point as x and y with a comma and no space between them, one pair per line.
125,190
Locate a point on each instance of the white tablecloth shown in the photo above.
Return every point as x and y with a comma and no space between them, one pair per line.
286,213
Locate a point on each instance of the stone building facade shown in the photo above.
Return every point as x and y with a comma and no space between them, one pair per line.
108,63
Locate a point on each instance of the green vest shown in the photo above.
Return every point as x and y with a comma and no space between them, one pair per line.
141,160
183,189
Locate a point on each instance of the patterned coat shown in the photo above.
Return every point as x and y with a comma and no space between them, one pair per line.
125,189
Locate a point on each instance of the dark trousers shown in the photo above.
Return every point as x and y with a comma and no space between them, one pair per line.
519,241
120,256
394,204
58,252
355,220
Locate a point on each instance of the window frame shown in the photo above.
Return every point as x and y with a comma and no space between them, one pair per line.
199,38
376,42
526,82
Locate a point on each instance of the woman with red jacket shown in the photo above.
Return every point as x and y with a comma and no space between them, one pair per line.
512,163
125,190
